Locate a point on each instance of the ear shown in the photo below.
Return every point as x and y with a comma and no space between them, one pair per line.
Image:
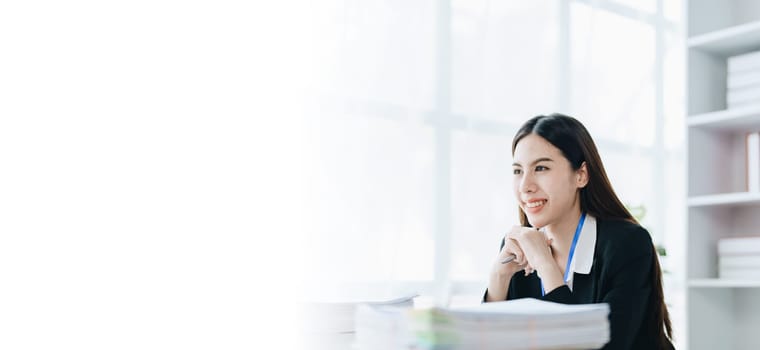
581,179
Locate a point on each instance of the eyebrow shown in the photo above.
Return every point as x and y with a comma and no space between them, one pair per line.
539,160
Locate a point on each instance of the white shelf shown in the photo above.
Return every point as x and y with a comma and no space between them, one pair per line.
723,283
725,199
722,313
737,119
729,41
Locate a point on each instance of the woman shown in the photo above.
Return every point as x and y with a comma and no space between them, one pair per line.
578,244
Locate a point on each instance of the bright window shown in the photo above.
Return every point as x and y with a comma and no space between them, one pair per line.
416,114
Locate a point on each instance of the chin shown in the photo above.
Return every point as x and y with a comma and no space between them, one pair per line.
536,222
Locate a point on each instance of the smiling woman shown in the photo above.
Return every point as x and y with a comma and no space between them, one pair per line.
552,173
411,109
578,244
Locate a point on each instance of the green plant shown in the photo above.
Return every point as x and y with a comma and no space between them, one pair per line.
639,212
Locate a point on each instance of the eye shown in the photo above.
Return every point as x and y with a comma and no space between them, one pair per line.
516,171
541,168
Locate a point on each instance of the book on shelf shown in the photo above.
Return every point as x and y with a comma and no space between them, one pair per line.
752,143
739,261
743,80
743,96
738,80
743,62
739,258
738,246
750,273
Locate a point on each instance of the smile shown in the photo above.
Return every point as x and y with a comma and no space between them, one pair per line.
535,204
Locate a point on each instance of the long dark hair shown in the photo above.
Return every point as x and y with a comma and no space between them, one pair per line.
597,197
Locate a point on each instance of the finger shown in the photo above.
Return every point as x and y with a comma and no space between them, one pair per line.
518,231
512,232
508,259
521,230
517,251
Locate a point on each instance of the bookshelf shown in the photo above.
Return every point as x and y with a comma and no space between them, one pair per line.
721,313
725,199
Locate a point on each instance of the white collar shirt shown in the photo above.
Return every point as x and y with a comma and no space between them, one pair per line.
583,257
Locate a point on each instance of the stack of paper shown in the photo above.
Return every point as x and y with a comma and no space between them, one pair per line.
330,324
739,258
743,80
516,324
382,327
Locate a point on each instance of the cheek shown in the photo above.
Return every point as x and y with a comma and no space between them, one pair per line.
563,192
515,184
555,188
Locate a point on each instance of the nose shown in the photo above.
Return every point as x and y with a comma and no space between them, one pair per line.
527,185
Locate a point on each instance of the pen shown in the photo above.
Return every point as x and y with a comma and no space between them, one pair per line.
508,259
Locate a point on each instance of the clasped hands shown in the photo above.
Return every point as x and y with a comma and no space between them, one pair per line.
531,248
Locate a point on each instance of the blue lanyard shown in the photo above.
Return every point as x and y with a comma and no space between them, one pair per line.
572,252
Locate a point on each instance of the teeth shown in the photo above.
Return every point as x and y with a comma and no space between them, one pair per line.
535,204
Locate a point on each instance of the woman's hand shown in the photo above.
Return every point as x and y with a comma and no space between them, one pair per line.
537,254
502,273
510,248
533,245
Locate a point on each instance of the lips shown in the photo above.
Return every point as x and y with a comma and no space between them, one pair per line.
534,205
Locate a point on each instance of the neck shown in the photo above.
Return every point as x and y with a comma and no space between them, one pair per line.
562,231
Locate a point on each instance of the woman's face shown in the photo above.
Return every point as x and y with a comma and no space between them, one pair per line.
545,185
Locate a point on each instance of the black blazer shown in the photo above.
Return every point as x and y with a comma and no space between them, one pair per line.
621,275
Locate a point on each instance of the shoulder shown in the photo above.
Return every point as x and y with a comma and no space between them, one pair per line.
618,231
621,236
